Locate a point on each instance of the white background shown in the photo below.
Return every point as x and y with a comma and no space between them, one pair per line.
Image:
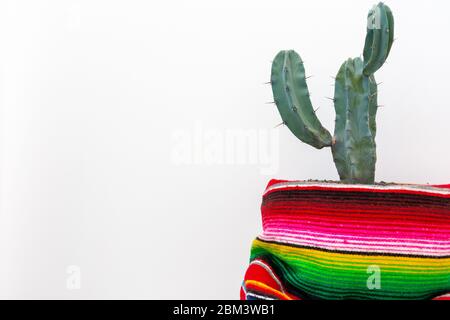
94,92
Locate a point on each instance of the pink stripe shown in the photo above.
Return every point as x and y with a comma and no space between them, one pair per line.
332,221
349,212
356,211
355,239
357,245
360,230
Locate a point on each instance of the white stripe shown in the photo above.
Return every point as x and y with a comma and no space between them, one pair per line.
404,187
368,241
315,235
269,270
355,248
259,297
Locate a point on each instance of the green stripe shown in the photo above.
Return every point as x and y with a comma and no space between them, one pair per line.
325,279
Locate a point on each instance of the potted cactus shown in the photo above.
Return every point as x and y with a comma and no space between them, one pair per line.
353,239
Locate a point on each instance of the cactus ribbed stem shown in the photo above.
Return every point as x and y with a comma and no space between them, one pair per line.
379,39
291,96
373,105
354,147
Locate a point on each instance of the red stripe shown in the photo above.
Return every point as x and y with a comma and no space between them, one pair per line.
359,189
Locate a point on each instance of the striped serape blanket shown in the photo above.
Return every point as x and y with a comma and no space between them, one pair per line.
337,241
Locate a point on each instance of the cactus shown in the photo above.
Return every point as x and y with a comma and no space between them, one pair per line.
291,95
353,145
379,39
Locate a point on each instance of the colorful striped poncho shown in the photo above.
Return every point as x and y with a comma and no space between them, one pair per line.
337,241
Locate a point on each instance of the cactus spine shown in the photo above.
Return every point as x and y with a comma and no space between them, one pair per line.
353,145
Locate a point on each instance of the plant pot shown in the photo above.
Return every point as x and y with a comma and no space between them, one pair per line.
338,241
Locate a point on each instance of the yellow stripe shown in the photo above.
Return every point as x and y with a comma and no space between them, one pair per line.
273,291
351,259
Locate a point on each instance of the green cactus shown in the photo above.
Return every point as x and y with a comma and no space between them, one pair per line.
291,96
353,145
379,39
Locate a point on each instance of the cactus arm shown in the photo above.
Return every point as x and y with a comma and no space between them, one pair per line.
354,147
379,38
390,18
291,96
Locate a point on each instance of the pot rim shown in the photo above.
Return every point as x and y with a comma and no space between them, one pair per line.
432,190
